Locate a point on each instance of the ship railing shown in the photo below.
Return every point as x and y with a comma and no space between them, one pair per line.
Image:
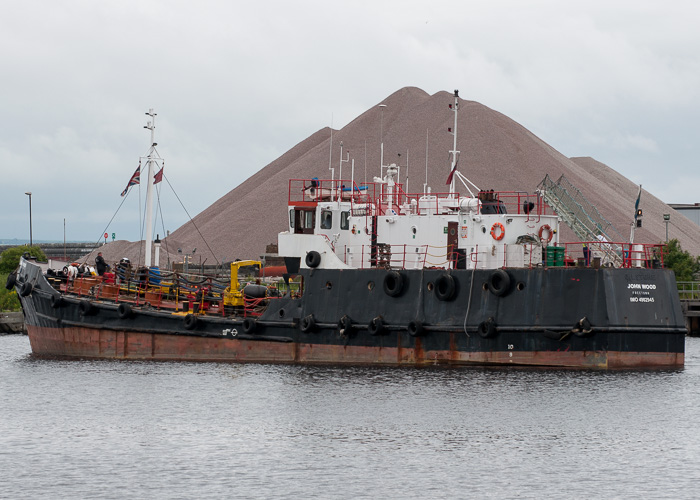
614,254
688,290
312,191
162,289
511,202
397,256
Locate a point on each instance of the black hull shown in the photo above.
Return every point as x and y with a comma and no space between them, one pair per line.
604,318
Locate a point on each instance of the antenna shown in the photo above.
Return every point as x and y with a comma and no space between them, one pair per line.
381,139
365,162
407,191
151,125
454,151
340,173
425,185
330,154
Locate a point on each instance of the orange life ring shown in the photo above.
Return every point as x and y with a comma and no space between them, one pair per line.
550,233
501,234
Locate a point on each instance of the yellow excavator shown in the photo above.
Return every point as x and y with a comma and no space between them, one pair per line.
233,294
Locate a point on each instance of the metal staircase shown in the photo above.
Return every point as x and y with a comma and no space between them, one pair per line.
582,217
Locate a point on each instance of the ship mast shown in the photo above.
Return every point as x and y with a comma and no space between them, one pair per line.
150,125
454,151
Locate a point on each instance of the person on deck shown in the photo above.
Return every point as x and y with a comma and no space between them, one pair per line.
100,264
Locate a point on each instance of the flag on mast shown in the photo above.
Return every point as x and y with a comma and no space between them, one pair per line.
135,179
452,173
159,176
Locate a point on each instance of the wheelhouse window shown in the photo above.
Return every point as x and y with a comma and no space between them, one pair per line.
304,220
326,219
291,219
344,220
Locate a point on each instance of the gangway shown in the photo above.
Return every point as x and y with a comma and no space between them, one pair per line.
582,217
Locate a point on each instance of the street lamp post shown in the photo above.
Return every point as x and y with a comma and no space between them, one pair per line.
667,218
29,193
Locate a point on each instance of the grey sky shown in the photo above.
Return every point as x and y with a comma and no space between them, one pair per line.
235,85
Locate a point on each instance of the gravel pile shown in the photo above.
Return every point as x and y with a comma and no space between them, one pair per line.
496,153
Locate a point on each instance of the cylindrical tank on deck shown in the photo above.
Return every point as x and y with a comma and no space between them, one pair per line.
254,291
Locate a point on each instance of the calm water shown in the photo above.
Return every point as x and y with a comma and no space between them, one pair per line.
86,429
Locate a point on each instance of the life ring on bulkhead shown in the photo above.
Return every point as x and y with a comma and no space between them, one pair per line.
550,233
502,231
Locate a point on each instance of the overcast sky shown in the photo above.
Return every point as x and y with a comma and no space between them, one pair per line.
236,84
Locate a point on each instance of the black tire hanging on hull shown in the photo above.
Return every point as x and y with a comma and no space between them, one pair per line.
376,326
87,308
307,324
313,259
445,287
190,322
499,282
393,283
26,289
11,280
249,325
125,311
416,329
56,301
487,329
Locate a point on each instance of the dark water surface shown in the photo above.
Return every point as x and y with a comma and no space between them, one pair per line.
107,429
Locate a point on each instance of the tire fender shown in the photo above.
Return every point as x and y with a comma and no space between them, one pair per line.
445,287
393,283
125,311
307,324
499,283
416,329
376,326
26,289
487,329
313,259
249,325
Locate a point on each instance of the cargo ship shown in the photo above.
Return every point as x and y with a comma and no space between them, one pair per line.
377,276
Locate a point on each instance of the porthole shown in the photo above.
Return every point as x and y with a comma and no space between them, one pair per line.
485,287
430,286
370,285
520,286
329,285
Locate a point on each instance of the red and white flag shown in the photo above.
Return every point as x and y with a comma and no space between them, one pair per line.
158,177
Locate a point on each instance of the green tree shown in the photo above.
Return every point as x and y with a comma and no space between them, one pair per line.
9,259
685,266
8,298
